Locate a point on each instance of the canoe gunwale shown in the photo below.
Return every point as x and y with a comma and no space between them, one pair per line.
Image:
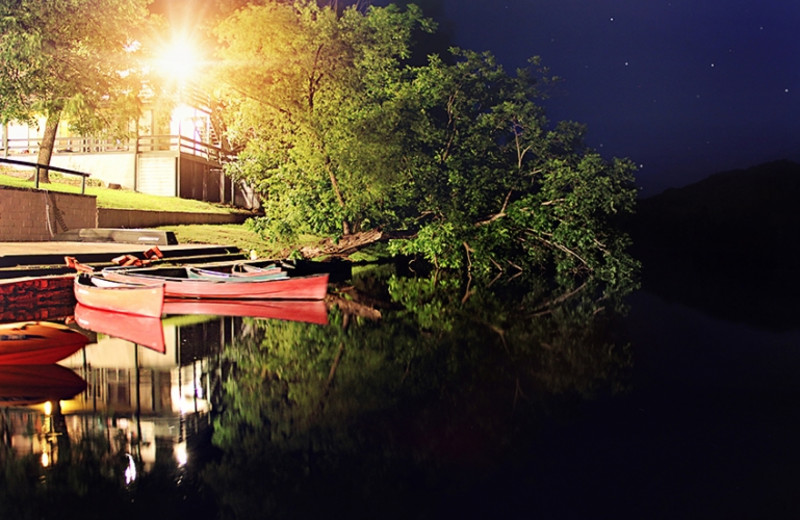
311,287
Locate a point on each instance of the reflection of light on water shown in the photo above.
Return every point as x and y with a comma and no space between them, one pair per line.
181,455
188,395
47,436
130,471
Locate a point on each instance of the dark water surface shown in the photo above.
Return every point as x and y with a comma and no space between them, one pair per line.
413,401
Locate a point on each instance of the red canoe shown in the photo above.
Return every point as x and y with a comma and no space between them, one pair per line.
38,343
23,385
178,283
119,296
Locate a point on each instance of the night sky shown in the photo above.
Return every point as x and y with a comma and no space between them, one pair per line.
685,88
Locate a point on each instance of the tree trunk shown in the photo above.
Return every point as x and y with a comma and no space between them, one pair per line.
47,145
346,229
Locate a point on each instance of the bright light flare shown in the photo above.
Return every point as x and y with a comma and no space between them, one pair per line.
179,60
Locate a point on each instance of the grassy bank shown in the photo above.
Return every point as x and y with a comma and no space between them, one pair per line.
117,199
226,234
236,235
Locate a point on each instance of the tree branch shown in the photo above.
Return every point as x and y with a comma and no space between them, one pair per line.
500,214
560,247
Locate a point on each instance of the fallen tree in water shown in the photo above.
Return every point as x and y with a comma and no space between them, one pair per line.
349,244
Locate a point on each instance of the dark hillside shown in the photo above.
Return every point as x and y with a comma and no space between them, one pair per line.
731,238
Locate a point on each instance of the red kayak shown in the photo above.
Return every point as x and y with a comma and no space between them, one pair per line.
38,343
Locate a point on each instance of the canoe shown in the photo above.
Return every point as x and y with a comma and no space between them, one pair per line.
119,296
24,385
178,283
146,331
307,311
38,343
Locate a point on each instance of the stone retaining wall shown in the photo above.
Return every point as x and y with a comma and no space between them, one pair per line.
129,219
29,215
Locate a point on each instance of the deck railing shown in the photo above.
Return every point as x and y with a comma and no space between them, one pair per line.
30,145
142,144
185,145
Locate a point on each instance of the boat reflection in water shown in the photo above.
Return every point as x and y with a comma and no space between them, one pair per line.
149,332
143,386
142,330
306,311
27,385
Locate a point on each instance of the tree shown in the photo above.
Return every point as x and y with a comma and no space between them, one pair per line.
310,93
497,188
343,130
71,59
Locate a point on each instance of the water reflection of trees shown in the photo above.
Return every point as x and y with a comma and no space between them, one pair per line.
409,413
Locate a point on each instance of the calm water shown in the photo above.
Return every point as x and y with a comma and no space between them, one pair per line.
407,399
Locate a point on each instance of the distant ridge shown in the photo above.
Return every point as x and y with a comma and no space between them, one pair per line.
742,185
735,234
737,211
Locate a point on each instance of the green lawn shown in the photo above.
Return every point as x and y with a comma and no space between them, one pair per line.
227,234
236,235
119,199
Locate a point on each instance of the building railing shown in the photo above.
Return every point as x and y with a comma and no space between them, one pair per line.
184,145
39,166
142,144
30,145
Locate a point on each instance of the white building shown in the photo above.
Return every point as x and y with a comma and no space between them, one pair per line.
181,157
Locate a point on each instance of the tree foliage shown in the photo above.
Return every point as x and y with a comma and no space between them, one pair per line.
308,98
69,57
342,131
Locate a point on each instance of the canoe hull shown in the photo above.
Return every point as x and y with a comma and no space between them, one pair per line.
38,343
307,311
129,298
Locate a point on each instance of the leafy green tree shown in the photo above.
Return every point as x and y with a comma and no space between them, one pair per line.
310,96
497,188
72,59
